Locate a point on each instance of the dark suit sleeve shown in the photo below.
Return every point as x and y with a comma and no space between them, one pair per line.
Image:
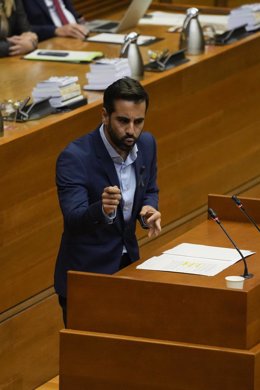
71,179
44,32
19,21
151,191
4,48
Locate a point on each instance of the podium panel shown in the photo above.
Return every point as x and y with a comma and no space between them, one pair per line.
176,312
141,329
104,361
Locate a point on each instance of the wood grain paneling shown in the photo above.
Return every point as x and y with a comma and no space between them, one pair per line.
104,361
113,305
29,346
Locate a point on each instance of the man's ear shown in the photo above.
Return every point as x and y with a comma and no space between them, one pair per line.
105,116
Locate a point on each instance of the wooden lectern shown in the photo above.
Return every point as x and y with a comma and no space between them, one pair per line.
143,329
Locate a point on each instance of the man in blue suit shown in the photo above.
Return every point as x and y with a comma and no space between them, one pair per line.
50,18
106,181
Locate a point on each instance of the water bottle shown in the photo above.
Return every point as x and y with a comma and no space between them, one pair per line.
131,51
192,38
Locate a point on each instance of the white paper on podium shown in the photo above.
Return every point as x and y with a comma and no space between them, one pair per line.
194,259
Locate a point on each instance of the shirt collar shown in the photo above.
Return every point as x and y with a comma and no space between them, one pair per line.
117,159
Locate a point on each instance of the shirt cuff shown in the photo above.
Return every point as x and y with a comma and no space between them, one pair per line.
110,217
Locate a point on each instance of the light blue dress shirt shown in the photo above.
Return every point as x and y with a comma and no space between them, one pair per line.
55,17
126,175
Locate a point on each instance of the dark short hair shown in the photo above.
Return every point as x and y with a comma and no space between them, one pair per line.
124,89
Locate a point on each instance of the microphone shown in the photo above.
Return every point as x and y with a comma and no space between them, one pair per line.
241,207
215,218
141,179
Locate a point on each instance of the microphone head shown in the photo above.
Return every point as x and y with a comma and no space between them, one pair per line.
236,200
212,214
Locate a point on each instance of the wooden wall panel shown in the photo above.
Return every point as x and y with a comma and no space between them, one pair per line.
104,361
208,136
31,222
29,346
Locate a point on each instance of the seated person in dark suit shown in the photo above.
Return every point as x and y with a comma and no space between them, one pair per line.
15,35
50,18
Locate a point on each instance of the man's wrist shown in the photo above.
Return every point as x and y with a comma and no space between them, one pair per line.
34,43
109,217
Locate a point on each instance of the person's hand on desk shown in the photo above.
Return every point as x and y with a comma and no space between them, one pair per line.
152,220
22,44
73,30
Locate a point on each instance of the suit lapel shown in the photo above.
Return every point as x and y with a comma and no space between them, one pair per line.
104,159
107,164
44,7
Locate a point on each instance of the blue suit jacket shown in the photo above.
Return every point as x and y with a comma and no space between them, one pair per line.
89,243
39,17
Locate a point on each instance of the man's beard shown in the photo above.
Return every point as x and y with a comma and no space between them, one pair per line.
120,142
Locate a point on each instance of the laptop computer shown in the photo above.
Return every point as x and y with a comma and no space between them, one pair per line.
134,13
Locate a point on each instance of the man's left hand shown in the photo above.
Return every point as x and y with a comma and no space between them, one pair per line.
152,218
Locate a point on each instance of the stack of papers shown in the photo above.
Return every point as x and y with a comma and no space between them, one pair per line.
194,259
120,38
105,71
60,90
248,14
63,55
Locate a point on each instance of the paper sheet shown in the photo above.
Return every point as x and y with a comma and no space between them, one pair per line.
194,259
119,38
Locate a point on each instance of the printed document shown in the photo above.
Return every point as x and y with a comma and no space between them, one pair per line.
194,259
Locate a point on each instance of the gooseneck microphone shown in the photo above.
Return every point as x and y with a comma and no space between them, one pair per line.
215,218
241,207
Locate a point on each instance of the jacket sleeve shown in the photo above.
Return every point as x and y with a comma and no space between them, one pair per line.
71,178
151,191
4,48
21,23
44,32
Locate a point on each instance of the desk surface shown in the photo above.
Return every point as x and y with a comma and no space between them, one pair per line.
18,76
